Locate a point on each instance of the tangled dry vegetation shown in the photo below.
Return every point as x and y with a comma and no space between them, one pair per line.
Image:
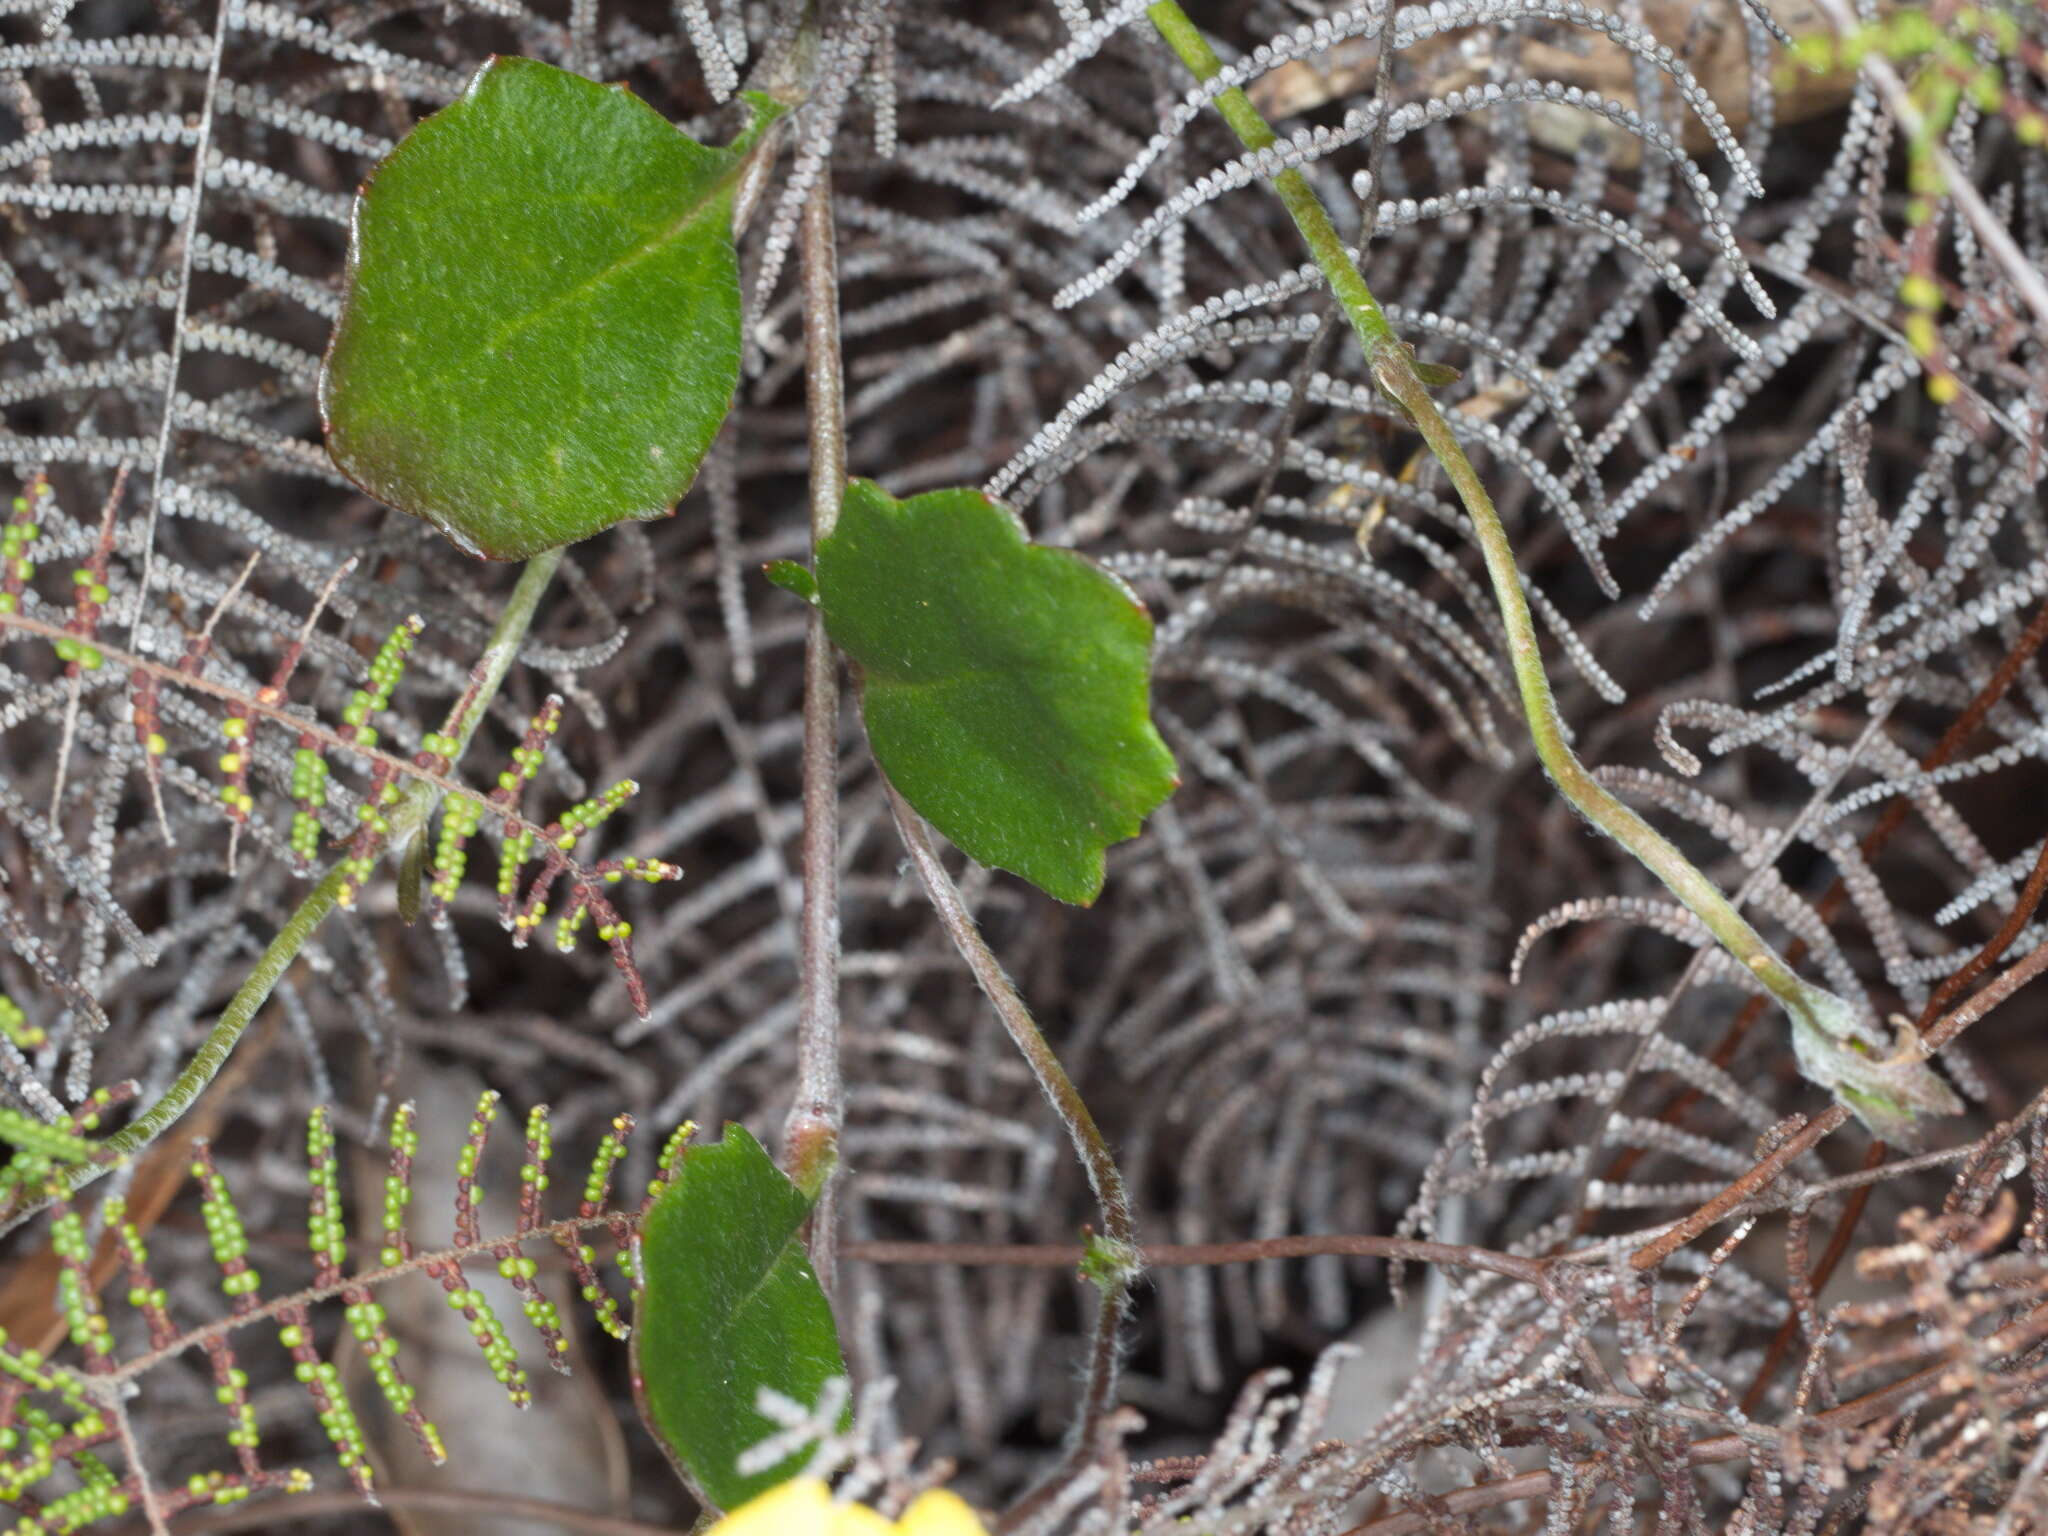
1364,976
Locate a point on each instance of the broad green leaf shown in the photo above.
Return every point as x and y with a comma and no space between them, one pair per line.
1004,684
542,330
794,579
728,1305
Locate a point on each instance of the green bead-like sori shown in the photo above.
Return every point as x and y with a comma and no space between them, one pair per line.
326,1228
385,670
499,1355
479,1128
579,819
15,1026
309,777
515,851
405,1145
225,1234
305,836
540,1146
571,923
31,1136
459,823
83,1320
610,1148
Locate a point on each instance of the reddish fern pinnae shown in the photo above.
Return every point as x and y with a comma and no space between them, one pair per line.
617,935
533,1173
89,592
520,838
225,1237
476,1310
149,737
597,1185
144,1294
19,535
77,1298
364,1315
534,910
240,1283
405,1146
515,1266
666,1164
77,647
468,1219
528,755
485,1328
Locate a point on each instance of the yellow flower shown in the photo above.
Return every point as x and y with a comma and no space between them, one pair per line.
803,1506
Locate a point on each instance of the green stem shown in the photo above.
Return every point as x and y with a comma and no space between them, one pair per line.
1111,1261
408,819
1393,370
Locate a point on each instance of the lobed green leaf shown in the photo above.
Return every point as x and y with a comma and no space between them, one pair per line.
1005,684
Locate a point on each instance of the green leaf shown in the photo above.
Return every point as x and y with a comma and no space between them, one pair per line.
793,578
728,1305
542,330
1004,684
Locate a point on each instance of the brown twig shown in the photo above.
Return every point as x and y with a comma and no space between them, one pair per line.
1538,1485
1951,1024
1187,1255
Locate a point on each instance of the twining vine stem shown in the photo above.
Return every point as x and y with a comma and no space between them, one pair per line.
1115,1262
1393,370
811,1134
408,819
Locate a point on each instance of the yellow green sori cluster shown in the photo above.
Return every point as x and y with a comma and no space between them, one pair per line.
576,821
83,1320
14,1025
515,1266
361,1312
309,791
1956,65
386,668
499,1355
40,1146
459,823
28,1445
234,763
526,760
58,1437
804,1506
611,1148
239,1282
20,532
90,591
383,795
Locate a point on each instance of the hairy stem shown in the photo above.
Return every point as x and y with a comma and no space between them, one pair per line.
1113,1265
408,819
811,1134
1393,369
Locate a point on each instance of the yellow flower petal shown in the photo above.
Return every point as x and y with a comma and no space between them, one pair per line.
859,1520
803,1507
939,1512
800,1507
